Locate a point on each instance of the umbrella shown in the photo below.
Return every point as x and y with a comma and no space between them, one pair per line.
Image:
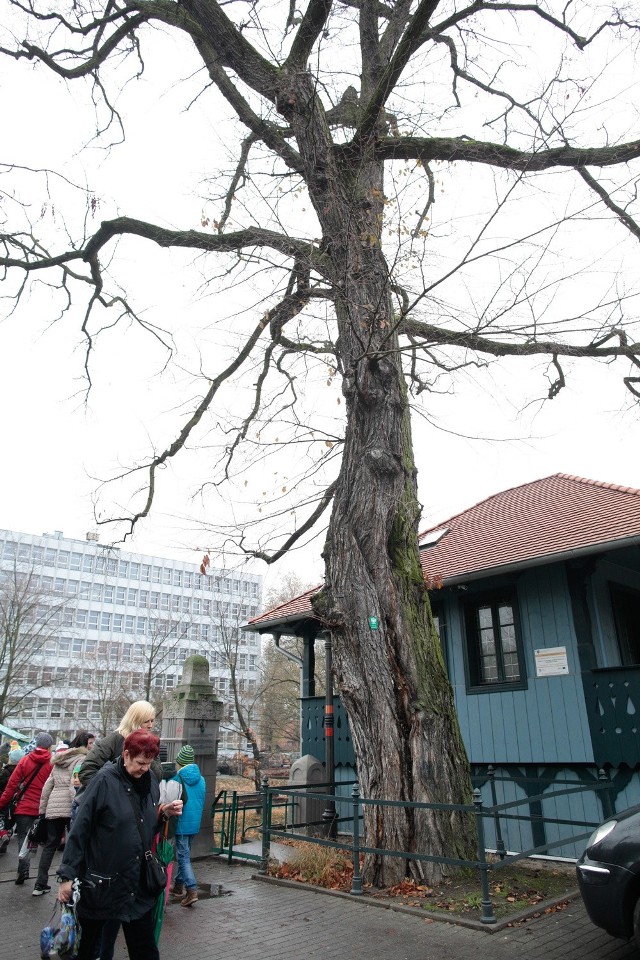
164,853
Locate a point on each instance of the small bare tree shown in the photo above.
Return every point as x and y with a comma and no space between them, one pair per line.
29,617
164,633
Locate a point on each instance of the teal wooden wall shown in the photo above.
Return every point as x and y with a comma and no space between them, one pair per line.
547,722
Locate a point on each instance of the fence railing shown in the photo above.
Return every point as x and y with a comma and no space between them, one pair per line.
351,812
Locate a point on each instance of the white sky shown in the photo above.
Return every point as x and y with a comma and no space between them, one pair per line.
54,449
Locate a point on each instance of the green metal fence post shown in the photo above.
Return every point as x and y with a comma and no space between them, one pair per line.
608,807
491,774
487,916
266,835
356,883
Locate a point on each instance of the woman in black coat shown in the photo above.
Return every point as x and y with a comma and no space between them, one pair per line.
105,850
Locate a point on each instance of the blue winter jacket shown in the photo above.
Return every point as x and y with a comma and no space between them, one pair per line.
189,823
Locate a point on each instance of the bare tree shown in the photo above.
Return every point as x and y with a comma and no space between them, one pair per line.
242,693
281,673
164,633
373,114
29,617
110,689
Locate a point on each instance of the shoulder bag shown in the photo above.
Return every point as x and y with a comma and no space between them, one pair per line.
154,873
21,789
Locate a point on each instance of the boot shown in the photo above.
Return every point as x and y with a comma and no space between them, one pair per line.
191,897
178,891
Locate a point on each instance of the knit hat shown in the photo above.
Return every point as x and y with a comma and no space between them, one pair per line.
61,746
43,740
15,756
186,755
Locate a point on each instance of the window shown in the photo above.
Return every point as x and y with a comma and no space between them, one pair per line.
123,568
145,572
112,566
177,578
24,553
144,598
135,570
50,556
132,597
129,623
63,559
156,574
167,576
493,642
108,593
93,620
441,629
625,603
87,563
76,561
121,593
118,620
105,621
96,592
188,579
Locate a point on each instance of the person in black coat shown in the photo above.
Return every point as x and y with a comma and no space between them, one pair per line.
105,851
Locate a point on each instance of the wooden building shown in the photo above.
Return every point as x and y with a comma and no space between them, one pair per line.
536,594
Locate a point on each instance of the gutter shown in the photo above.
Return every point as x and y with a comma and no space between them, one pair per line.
557,557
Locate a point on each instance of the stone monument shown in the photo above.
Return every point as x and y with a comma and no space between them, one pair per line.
192,715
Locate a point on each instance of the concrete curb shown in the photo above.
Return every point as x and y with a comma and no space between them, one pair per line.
429,915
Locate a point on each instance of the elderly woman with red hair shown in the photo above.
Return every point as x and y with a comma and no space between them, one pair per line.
116,823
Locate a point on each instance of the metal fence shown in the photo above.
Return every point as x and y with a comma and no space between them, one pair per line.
349,812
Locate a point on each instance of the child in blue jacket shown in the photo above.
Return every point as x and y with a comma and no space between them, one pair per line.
188,824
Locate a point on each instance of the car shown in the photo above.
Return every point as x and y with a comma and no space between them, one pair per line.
609,875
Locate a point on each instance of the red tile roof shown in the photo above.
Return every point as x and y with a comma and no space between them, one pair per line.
537,522
297,609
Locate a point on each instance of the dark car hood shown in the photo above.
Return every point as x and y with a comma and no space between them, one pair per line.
622,845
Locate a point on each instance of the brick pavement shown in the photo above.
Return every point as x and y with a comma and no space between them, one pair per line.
262,921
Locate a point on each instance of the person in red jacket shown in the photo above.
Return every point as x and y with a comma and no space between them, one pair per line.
33,770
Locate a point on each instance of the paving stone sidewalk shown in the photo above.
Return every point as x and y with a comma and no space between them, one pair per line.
254,920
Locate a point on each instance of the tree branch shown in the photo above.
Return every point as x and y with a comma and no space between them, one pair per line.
497,154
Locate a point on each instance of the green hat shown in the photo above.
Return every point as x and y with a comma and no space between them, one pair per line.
186,755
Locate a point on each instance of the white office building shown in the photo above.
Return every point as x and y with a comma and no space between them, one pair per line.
103,626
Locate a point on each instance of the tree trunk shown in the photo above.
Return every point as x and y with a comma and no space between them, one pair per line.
391,677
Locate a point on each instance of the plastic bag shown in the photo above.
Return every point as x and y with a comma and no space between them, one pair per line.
62,937
27,849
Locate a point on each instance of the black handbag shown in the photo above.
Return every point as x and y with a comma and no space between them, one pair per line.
38,830
154,872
